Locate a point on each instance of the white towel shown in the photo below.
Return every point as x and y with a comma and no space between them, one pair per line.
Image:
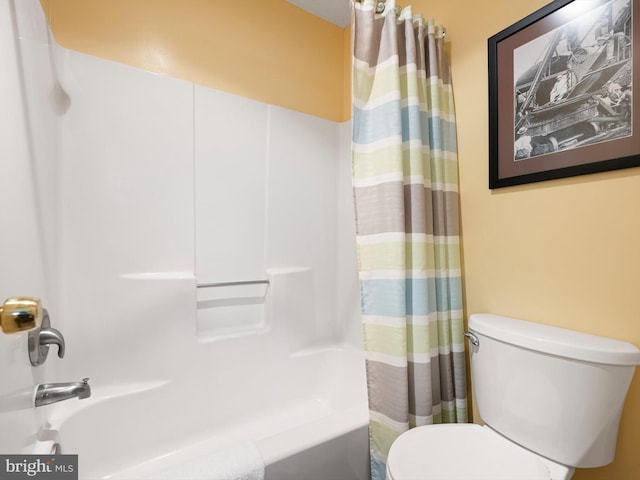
239,462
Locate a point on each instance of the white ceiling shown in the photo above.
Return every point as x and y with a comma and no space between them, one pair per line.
335,11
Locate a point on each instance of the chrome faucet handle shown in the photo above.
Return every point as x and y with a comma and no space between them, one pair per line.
40,339
51,336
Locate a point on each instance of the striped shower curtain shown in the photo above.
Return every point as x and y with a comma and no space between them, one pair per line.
405,181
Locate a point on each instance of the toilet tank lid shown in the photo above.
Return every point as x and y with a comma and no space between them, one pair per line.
554,340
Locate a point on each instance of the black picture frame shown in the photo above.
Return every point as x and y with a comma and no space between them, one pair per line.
561,100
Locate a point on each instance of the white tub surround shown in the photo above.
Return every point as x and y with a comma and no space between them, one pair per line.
298,410
244,351
156,185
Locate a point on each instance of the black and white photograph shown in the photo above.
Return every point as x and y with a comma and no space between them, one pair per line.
573,85
561,98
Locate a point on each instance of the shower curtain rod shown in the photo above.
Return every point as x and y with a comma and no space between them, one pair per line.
380,6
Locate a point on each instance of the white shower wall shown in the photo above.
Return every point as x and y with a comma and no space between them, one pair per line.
31,104
267,204
271,199
125,189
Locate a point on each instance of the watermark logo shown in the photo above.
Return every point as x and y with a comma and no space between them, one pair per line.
25,467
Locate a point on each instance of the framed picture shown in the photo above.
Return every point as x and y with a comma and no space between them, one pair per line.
561,92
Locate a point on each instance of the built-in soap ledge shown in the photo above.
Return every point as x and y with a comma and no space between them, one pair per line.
228,309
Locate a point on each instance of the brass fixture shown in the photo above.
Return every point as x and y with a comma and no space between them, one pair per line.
20,314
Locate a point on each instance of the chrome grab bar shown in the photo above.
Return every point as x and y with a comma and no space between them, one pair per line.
232,284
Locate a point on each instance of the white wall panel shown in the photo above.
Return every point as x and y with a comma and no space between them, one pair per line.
230,179
43,104
127,186
347,284
30,21
27,160
302,205
127,210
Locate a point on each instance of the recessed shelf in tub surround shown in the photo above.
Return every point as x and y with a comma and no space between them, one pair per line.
231,308
283,303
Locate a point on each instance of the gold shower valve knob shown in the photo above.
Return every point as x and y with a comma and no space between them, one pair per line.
20,314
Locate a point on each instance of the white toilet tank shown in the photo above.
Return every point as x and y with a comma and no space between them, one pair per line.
554,391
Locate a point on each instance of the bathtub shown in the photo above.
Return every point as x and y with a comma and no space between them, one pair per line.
308,421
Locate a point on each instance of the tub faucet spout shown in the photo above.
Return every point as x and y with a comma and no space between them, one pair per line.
48,393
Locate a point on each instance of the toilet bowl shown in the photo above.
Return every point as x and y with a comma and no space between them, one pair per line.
534,386
466,452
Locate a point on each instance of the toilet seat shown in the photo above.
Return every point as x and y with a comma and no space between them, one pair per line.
461,451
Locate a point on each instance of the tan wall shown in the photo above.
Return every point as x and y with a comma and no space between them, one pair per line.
270,51
563,252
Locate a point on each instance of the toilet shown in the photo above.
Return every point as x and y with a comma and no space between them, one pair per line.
550,398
